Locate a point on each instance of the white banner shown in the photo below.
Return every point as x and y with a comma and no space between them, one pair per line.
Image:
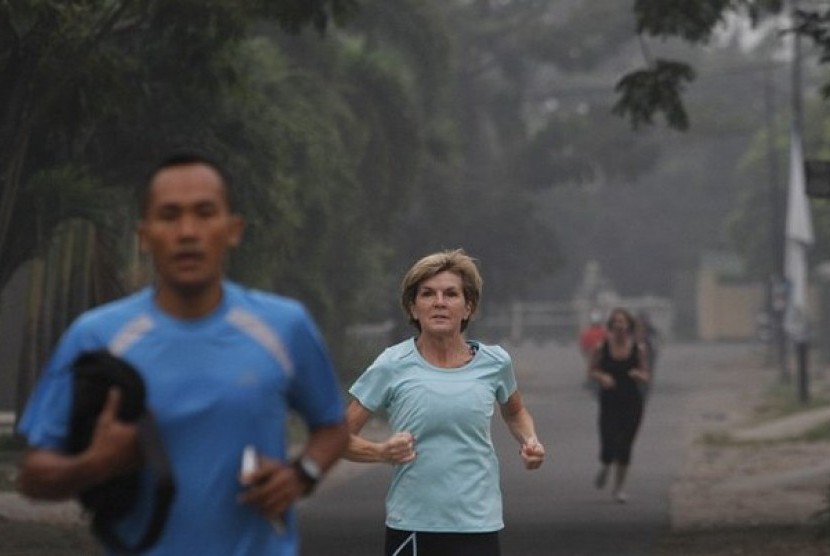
798,238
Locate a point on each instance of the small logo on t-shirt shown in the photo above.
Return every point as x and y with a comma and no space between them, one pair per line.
248,378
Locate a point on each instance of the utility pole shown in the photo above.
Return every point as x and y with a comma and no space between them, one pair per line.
797,104
801,337
776,288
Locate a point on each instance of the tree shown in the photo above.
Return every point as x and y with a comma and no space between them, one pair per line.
71,72
473,200
658,87
92,91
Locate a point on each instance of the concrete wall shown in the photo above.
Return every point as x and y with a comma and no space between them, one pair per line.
727,311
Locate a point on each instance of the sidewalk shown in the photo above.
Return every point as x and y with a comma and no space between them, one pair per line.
749,487
30,528
784,428
14,507
39,529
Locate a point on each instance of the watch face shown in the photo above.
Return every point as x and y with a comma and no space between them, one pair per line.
311,468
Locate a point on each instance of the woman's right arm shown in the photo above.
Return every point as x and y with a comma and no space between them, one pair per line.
398,448
595,372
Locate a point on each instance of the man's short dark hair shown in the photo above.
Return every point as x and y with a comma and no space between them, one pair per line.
183,158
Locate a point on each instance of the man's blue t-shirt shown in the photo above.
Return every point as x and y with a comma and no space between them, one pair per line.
215,385
453,483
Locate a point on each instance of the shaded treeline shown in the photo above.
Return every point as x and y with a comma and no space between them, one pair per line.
359,138
361,134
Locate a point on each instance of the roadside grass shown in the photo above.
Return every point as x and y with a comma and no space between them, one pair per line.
820,433
821,519
781,400
778,401
717,439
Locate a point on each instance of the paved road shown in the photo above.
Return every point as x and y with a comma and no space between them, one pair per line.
556,510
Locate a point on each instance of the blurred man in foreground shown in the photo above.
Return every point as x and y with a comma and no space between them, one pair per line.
223,366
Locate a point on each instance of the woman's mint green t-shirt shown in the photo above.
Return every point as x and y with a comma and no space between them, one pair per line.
453,483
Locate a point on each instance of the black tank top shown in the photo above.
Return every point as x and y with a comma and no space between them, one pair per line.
618,368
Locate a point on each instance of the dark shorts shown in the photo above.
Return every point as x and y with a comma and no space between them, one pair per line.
417,543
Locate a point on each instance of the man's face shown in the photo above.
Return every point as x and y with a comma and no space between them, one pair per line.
188,228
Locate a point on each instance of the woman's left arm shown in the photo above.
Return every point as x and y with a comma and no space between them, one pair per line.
641,372
520,423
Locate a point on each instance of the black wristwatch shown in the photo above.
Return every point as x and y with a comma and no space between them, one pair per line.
309,472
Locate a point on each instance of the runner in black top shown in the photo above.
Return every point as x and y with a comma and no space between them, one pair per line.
618,367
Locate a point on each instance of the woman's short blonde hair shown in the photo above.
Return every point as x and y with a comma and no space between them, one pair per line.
451,260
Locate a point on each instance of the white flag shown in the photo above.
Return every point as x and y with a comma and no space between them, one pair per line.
798,237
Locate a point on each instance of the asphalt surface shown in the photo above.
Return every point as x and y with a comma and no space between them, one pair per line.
555,510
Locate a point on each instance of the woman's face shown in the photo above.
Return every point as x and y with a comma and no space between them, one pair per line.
619,324
440,306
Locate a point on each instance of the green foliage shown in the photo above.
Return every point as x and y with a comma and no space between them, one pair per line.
816,26
695,20
569,149
93,93
470,197
692,20
779,402
580,41
654,90
67,193
660,87
416,126
294,15
756,223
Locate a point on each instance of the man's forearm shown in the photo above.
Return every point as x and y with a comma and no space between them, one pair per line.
326,444
49,475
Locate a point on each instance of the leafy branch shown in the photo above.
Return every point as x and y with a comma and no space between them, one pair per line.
654,90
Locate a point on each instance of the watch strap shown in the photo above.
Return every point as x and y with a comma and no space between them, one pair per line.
309,472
